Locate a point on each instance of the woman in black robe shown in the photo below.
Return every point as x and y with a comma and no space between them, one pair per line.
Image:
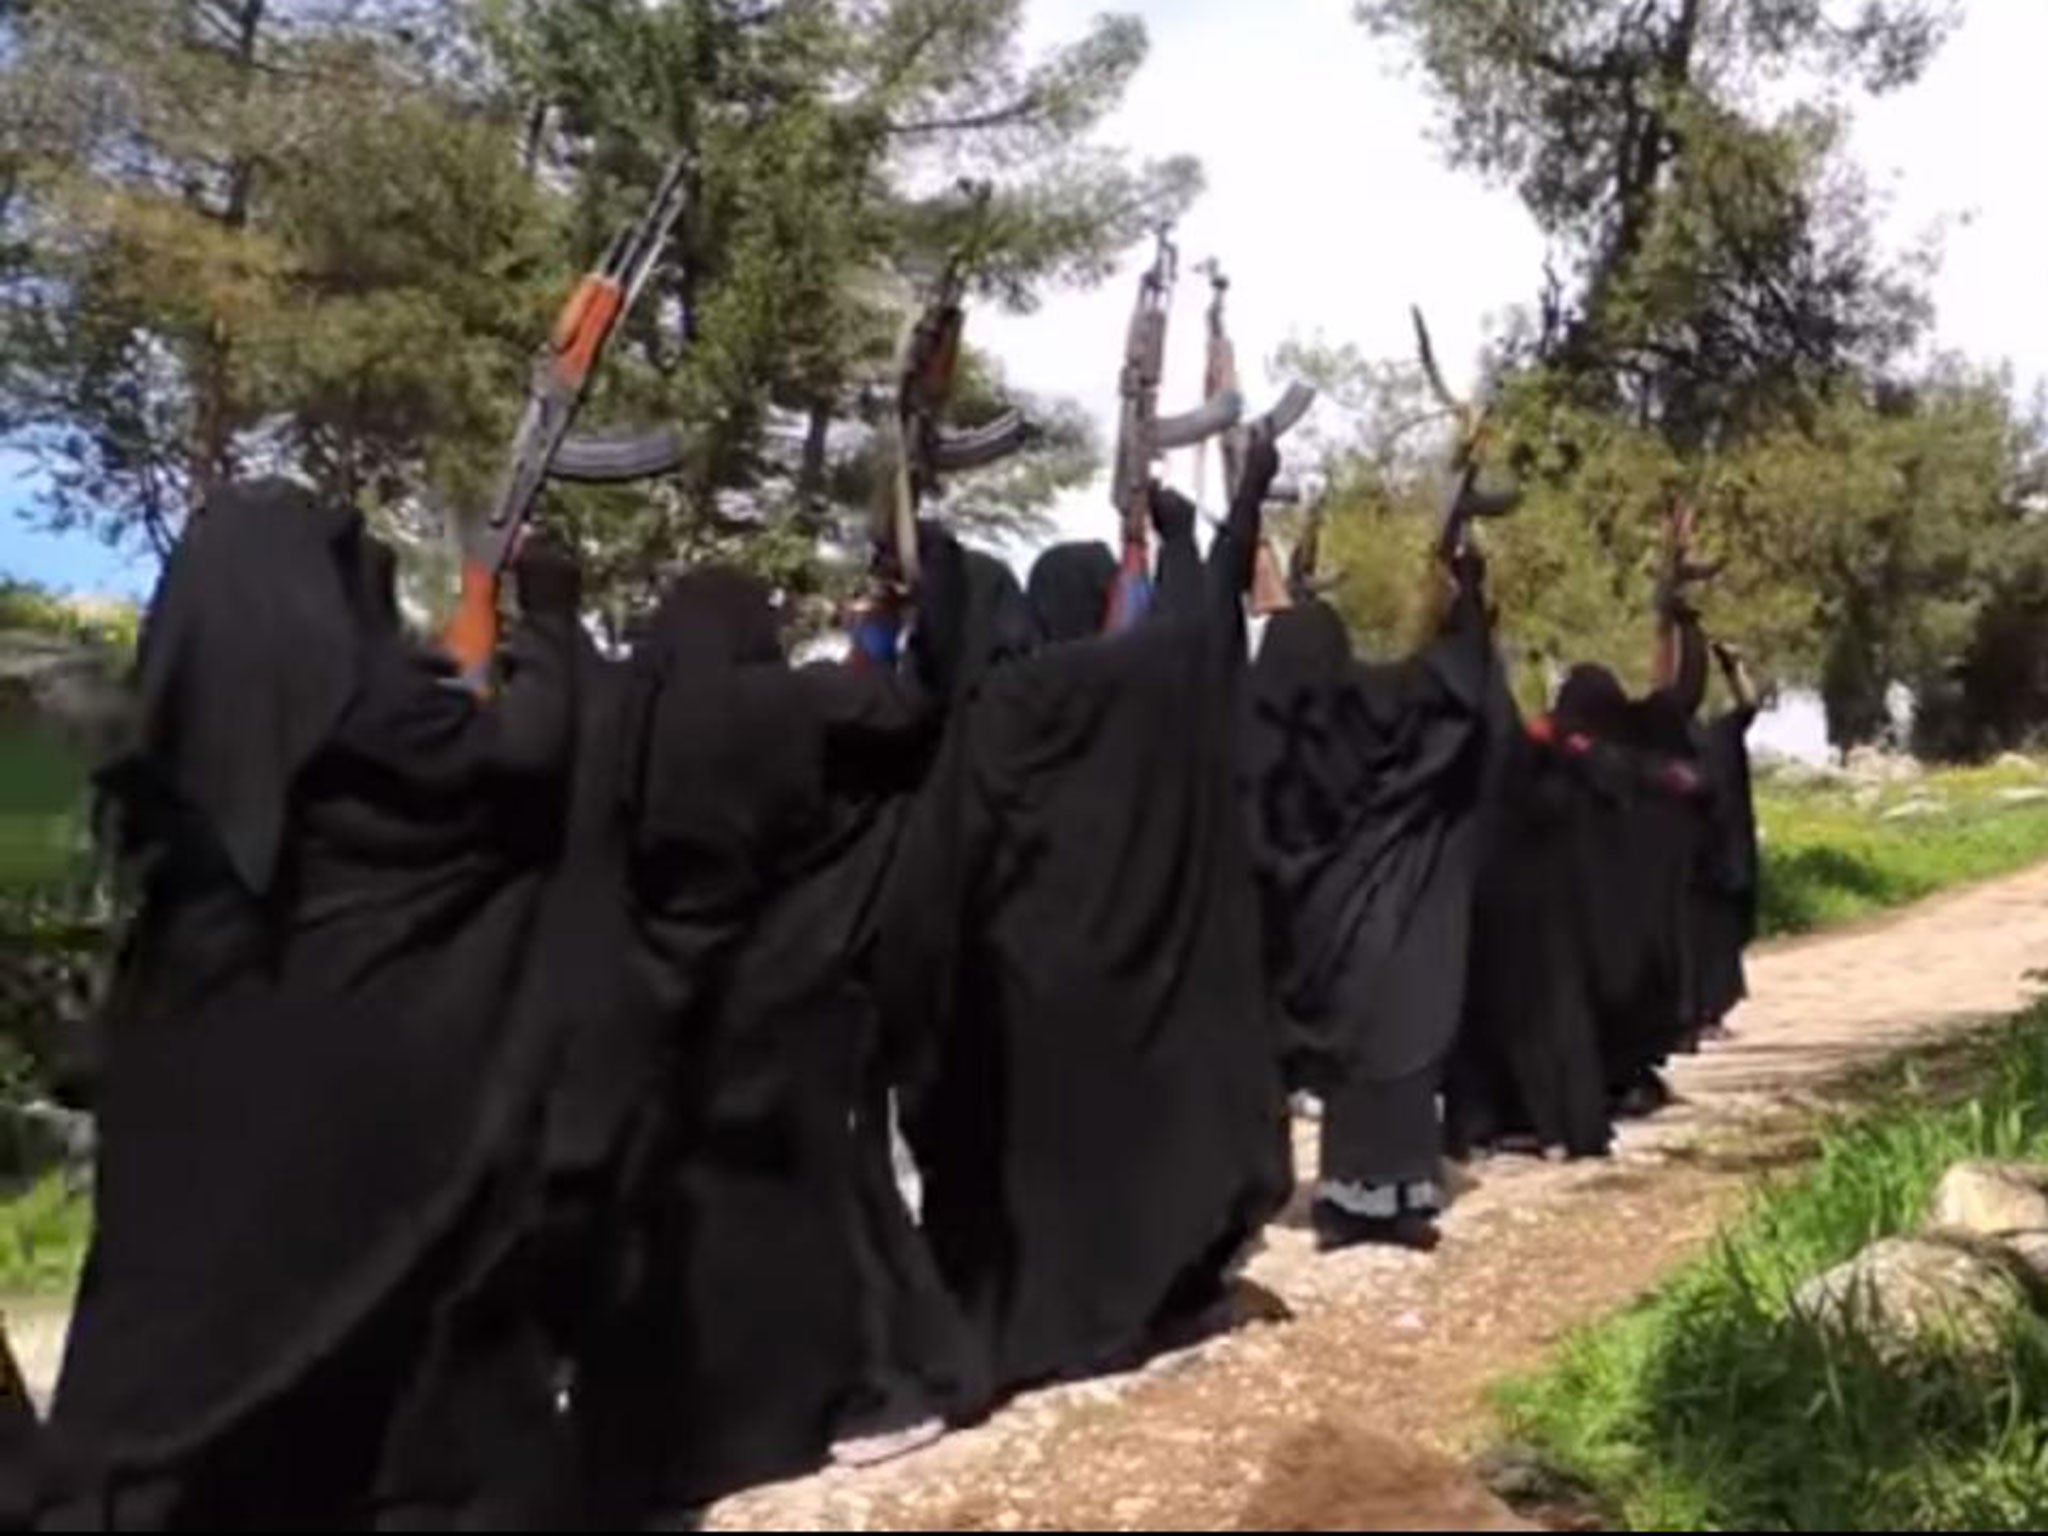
1724,892
766,803
1368,784
1075,926
317,1061
1580,941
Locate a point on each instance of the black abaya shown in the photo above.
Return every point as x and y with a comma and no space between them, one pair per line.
317,1051
1074,921
1581,947
1724,887
1369,783
770,804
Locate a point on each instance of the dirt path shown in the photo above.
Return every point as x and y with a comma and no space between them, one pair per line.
1352,1413
1347,1415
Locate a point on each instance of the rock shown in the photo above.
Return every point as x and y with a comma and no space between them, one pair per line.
1792,773
2022,794
1523,1478
1870,765
1906,1296
1915,808
2030,1250
2017,762
1992,1199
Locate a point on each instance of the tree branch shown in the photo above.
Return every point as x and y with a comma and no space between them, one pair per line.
1023,108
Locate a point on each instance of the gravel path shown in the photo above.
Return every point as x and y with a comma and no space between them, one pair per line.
1353,1410
1352,1413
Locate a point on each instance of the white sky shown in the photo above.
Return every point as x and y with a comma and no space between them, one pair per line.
1332,210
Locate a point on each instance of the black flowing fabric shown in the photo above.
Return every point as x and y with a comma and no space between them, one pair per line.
1528,1062
1369,791
317,1051
1582,945
1069,590
1725,879
1370,782
770,801
1074,923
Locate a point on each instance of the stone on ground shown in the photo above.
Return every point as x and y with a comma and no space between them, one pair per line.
1992,1199
1910,1296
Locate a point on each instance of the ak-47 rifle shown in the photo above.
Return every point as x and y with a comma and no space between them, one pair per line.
1219,377
543,448
1303,582
925,448
1142,435
1463,499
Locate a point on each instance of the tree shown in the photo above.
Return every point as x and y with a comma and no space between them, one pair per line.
821,137
1718,264
251,236
237,235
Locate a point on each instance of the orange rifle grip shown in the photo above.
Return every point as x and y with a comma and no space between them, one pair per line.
472,634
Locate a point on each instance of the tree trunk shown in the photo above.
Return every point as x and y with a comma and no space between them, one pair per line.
213,426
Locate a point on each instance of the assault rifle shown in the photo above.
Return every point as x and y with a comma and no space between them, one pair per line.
925,449
1463,499
1143,435
543,447
1303,582
1219,377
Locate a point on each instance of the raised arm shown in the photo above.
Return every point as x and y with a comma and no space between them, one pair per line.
1735,673
1235,553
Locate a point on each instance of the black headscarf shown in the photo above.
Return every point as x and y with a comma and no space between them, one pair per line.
722,767
973,614
267,571
1069,588
1593,703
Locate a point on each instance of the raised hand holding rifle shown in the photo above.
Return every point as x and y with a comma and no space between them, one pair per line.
1679,661
1735,672
1463,499
1142,436
543,448
1219,378
925,449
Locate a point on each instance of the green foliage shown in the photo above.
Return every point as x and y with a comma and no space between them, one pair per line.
1713,1406
238,236
1830,855
43,1235
1718,247
1719,324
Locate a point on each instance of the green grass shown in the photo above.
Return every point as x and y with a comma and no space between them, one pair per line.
1710,1406
1831,857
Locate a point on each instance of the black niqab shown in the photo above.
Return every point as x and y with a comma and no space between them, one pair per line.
1069,590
